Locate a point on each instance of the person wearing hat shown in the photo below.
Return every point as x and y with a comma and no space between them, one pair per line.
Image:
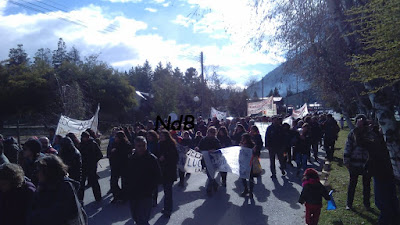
91,154
356,158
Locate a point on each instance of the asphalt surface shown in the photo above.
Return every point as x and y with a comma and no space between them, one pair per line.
274,202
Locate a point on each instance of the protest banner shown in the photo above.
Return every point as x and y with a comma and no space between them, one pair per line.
301,112
68,125
215,113
266,107
189,160
236,160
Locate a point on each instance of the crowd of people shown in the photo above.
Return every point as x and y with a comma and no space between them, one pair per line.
43,179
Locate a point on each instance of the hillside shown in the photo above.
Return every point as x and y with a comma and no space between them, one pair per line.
277,78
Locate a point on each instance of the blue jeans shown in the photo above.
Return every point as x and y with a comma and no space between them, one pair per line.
140,210
386,201
301,160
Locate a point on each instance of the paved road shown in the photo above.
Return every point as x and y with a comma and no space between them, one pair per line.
275,201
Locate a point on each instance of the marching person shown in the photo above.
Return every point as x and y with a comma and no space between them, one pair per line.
248,143
55,201
118,161
72,158
168,158
274,142
91,154
225,141
16,194
143,177
210,143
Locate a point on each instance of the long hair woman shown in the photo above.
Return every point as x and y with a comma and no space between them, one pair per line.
168,157
119,155
55,200
247,142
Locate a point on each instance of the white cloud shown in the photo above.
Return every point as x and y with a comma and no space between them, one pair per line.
125,1
121,45
159,1
151,10
183,20
166,4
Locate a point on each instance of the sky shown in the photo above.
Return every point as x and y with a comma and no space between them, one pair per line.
126,33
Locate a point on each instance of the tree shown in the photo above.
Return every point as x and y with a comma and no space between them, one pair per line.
271,93
276,92
18,56
60,54
74,56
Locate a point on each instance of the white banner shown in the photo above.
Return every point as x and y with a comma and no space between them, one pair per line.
301,112
67,125
189,160
262,128
288,120
266,107
215,113
234,159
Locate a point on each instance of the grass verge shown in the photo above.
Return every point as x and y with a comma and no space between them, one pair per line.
338,181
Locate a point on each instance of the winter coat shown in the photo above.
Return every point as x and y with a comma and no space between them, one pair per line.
153,147
316,132
143,177
303,146
15,205
72,158
331,130
54,203
225,141
312,192
274,138
209,143
197,140
169,165
91,154
11,149
119,156
356,149
187,142
237,137
258,144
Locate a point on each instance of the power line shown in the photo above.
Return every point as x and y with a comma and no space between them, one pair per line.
40,9
109,27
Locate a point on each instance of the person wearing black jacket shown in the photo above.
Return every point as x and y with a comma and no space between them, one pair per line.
311,195
72,158
16,195
91,154
168,158
31,153
210,143
54,201
274,142
225,141
142,177
237,134
118,161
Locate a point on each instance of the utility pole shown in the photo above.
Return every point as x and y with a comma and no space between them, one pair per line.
203,85
262,88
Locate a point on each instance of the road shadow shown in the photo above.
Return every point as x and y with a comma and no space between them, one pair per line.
250,213
286,192
212,209
106,213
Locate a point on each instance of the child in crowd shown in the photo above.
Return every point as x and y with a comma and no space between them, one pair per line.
311,195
